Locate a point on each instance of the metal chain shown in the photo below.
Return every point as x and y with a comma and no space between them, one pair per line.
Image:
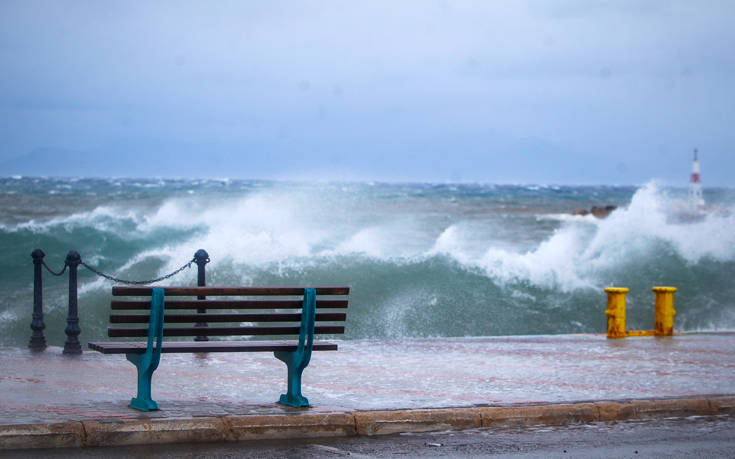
123,281
52,271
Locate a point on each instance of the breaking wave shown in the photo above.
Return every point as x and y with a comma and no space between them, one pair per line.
422,260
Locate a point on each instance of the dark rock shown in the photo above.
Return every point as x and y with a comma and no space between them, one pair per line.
599,212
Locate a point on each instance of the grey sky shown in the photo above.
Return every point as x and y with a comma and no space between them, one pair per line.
516,91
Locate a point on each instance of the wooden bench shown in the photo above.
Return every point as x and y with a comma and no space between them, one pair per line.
286,313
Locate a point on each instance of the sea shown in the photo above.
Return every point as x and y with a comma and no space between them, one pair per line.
421,259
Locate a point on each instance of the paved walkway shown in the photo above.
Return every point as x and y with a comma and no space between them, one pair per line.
371,375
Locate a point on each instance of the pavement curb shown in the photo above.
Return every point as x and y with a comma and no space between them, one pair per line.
56,435
153,431
399,421
305,425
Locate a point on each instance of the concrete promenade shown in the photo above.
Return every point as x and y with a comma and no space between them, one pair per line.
366,388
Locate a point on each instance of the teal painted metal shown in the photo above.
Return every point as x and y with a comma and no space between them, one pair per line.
148,362
298,360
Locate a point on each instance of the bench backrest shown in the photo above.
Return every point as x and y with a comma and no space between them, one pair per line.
262,311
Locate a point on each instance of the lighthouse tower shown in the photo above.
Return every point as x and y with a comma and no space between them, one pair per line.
696,201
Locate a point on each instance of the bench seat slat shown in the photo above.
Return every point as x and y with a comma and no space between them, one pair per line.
126,305
207,346
226,291
224,331
191,318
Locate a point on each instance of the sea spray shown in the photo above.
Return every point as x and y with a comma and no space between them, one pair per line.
422,259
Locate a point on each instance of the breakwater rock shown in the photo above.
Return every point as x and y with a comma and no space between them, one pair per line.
599,212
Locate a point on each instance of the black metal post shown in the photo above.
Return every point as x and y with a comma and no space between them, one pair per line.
72,346
201,258
38,341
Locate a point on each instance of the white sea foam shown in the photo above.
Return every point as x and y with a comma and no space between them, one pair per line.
296,229
643,225
252,230
103,219
576,254
8,316
368,241
554,264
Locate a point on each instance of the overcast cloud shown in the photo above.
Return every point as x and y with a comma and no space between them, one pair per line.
517,91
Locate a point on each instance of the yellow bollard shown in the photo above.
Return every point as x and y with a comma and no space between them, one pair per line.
616,312
664,313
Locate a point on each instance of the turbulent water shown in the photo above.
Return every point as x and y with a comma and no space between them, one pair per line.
421,259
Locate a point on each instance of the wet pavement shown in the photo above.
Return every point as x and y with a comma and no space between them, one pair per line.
49,387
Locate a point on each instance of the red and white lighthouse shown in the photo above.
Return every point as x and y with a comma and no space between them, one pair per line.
696,201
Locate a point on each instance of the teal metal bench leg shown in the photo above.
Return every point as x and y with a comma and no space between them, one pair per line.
143,401
148,362
293,397
297,360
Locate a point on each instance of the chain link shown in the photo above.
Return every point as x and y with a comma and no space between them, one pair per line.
52,271
123,281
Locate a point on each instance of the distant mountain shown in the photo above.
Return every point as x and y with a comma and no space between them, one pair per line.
127,161
51,161
470,156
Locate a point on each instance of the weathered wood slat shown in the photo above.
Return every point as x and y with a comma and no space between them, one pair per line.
207,346
119,290
191,318
127,305
223,331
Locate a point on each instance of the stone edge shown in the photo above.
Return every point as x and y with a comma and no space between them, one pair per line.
309,425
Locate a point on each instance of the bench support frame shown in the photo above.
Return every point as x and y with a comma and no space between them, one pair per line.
296,356
148,362
297,360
